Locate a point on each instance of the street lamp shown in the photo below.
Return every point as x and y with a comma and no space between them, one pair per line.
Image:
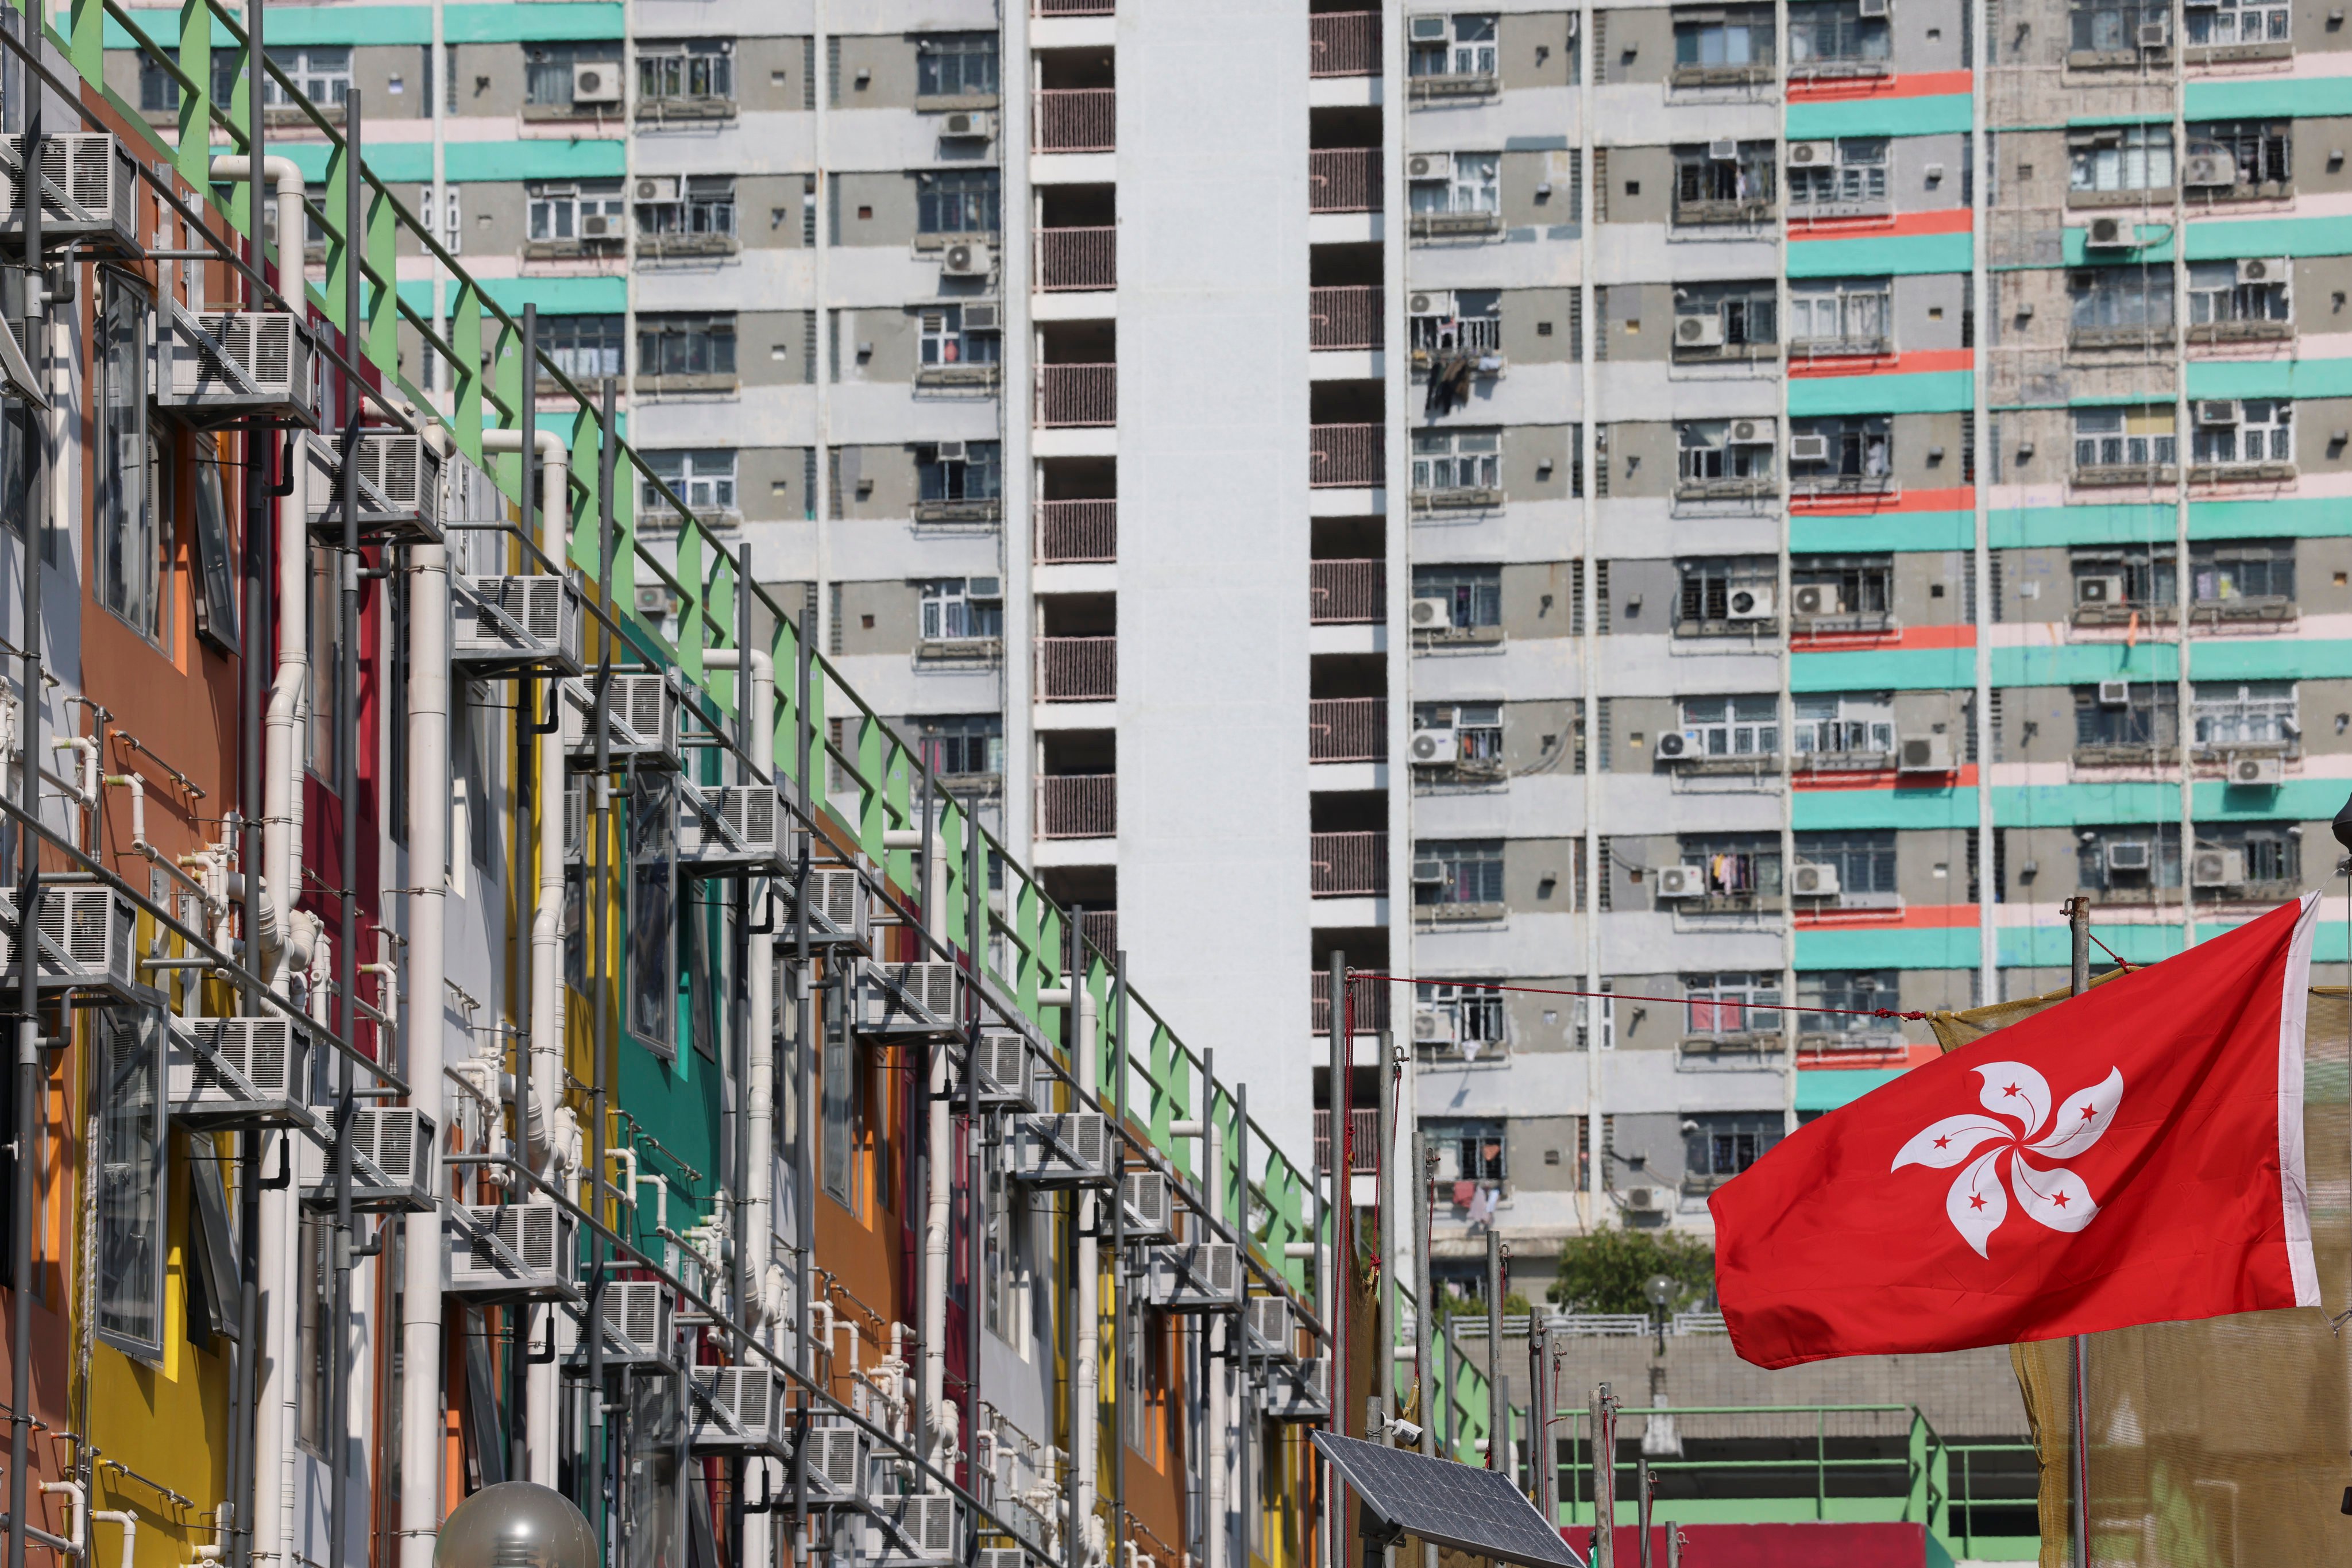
516,1524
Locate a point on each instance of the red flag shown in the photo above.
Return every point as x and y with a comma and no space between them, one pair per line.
2130,1156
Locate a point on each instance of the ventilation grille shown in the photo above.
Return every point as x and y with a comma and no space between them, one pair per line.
262,1049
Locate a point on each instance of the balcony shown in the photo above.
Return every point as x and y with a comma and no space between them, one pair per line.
1348,865
1347,592
1347,730
1370,998
1347,455
1343,180
1343,43
1076,259
1344,318
1077,395
1077,669
1074,120
1071,532
1363,1133
1077,805
1070,7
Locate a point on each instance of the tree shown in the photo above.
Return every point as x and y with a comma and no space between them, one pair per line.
1610,1271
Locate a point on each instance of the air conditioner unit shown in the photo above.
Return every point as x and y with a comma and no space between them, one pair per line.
640,1327
1679,745
1434,748
1145,1206
1723,149
1192,1277
2114,694
2105,589
2209,169
737,1409
1815,599
1808,448
2258,770
515,626
1428,873
1271,1327
87,937
1812,155
1682,882
2155,35
654,600
983,316
393,1155
2218,869
2217,411
220,367
921,1001
1644,1200
1872,10
1698,331
640,720
600,225
1008,1074
989,589
964,258
840,909
1429,166
1425,30
1749,433
1436,1025
2107,234
508,1251
1924,755
2127,855
399,488
950,451
2270,270
734,831
658,187
912,1528
596,82
1430,302
840,1465
1431,615
1810,880
90,188
237,1072
1748,605
1295,1391
969,125
1062,1148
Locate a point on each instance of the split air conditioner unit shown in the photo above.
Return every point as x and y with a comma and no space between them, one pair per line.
508,1252
964,258
1431,614
2108,234
1192,1277
1810,880
1146,1206
1681,882
221,367
2270,270
596,82
1748,605
1436,1025
89,186
2106,589
641,708
1063,1149
393,1154
237,1072
736,1410
1644,1200
1928,754
399,489
1678,745
515,626
1750,433
2218,869
1698,331
1429,166
658,187
969,125
1815,599
2209,168
901,1001
1812,155
1430,302
2257,769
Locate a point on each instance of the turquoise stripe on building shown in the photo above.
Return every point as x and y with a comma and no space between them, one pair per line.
2155,245
2209,241
2133,524
2016,947
291,27
1907,254
1926,947
2269,97
1820,810
1890,530
553,296
468,162
2270,378
2062,805
2072,664
1826,1089
1925,392
1942,114
2046,947
1884,669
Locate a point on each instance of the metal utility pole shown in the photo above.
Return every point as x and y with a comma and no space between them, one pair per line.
2078,927
1339,1179
595,1463
1498,1409
803,1088
1605,1478
975,941
1118,1303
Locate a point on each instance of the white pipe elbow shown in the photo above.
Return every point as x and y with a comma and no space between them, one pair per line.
130,1523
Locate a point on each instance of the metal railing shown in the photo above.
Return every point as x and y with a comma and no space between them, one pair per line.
1347,455
1077,669
1347,865
1077,805
1370,996
1078,394
1347,730
1344,592
1078,259
1073,119
1071,8
1343,43
1343,179
1363,1141
1075,531
1345,316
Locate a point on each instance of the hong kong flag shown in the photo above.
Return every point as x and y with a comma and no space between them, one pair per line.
2132,1155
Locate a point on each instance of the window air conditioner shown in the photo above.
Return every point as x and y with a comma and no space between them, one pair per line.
1681,882
642,721
1428,873
399,489
914,1530
1436,748
1429,166
839,1466
1815,599
2114,694
1812,155
2219,411
1698,331
1430,302
2260,770
969,125
1426,29
1062,1148
2155,35
1431,614
393,1154
227,366
89,186
515,626
1145,1206
738,830
1678,745
2107,234
657,187
964,258
1748,605
2270,270
1928,754
983,316
2209,168
1811,881
2127,855
2218,868
1192,1277
596,82
1436,1025
1872,10
989,589
640,1326
87,935
737,1409
235,1072
1750,433
1273,1329
2106,589
1808,448
1723,149
901,1000
840,909
508,1251
1294,1392
1008,1076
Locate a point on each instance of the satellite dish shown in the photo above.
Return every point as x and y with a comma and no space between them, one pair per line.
1662,1289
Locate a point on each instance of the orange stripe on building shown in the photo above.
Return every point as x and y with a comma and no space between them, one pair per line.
1924,84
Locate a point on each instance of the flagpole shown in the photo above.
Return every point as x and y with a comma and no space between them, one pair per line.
2078,921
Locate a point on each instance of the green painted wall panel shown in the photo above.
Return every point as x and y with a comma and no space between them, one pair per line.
1933,947
1943,114
2271,378
2269,97
1883,669
1931,392
1883,531
1908,253
1820,810
2270,237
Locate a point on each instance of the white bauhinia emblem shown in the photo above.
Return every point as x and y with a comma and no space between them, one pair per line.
2058,1198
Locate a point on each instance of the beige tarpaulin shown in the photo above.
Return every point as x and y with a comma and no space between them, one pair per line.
2219,1444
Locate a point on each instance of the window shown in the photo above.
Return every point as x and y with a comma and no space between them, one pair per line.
2112,26
1857,584
841,1106
1733,726
1478,1013
2224,22
215,598
687,69
962,746
1466,48
2268,852
1730,315
314,1334
695,204
2245,714
1840,313
2139,857
946,340
584,209
952,613
1475,327
703,479
1837,1001
159,90
1829,32
2126,299
1723,589
1477,726
584,348
1704,183
956,65
1737,35
956,201
327,736
1474,594
1732,1004
2238,291
1865,859
1711,451
1856,173
130,548
2258,150
1474,185
2122,158
1469,1151
1457,459
548,69
1846,449
322,75
1844,724
2257,430
1447,871
1728,1143
686,343
2128,714
2123,437
976,475
131,1184
2254,568
653,895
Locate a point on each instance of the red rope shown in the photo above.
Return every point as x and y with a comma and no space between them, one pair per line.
2121,961
1670,1000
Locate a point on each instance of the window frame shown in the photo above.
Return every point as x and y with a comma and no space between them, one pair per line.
2268,421
2218,297
667,70
1463,459
1806,302
1856,178
2246,705
1864,858
942,341
1735,1139
1704,454
1858,40
1486,1139
1474,873
586,347
932,49
946,611
1751,175
1475,592
1721,1005
2113,160
544,63
136,1242
703,338
959,203
1854,989
1732,726
2123,447
682,469
948,743
1752,24
977,476
1706,584
1844,716
133,566
1736,866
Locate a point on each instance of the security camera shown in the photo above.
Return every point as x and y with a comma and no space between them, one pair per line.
1406,1433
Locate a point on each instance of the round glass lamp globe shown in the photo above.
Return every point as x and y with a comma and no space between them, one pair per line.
515,1524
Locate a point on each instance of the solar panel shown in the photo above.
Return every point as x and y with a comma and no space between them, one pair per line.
1452,1504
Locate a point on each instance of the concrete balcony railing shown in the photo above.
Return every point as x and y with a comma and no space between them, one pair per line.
1344,318
1074,120
1343,593
1347,865
1347,730
1370,997
1343,43
1070,259
1070,395
1363,1136
1345,456
1076,530
1077,669
1343,180
1077,805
